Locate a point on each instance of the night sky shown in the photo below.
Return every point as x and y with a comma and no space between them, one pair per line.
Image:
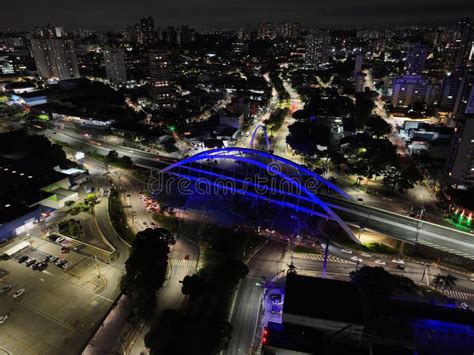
115,14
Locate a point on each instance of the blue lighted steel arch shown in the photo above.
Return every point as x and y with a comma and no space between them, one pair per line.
264,130
252,156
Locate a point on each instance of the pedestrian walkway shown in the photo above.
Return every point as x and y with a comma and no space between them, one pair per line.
182,262
459,295
320,257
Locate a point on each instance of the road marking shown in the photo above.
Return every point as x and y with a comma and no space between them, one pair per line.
320,257
182,262
459,295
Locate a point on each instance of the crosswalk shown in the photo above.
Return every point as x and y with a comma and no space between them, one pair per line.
182,262
320,257
459,295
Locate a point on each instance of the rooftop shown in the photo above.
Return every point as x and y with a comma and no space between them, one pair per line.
323,298
22,181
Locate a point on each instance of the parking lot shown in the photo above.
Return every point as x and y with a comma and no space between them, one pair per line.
60,308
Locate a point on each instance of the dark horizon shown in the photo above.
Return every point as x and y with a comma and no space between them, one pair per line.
339,14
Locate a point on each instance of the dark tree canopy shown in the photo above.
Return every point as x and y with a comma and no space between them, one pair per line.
146,266
305,136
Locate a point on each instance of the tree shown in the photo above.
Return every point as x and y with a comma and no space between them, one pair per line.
126,161
377,126
305,136
363,108
444,283
193,286
379,285
400,180
111,157
165,335
146,267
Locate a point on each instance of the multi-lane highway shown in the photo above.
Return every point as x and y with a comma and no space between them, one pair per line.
264,266
398,226
404,228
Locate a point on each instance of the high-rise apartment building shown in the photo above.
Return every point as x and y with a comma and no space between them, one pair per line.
185,35
147,28
408,90
162,91
54,54
464,102
460,168
114,59
463,44
317,48
415,61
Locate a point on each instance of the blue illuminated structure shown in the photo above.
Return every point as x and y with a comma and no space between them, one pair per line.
264,130
200,168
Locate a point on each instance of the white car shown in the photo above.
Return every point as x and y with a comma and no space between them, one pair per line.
3,318
59,240
365,255
380,262
19,293
356,258
398,261
347,251
464,306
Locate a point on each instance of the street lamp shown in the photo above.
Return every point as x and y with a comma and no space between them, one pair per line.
419,223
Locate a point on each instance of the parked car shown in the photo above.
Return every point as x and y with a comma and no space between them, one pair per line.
401,267
60,240
22,259
347,251
465,306
380,262
19,292
30,262
53,259
64,250
3,318
5,289
53,238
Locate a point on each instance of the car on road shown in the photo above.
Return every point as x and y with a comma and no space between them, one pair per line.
356,258
186,257
380,262
465,306
360,199
19,292
365,255
59,240
22,259
401,267
398,261
30,262
5,289
347,251
64,250
3,318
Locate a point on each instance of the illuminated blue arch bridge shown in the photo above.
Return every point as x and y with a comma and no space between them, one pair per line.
259,175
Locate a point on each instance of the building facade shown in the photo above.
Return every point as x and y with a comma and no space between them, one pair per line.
415,61
317,48
460,168
408,90
114,59
54,55
162,91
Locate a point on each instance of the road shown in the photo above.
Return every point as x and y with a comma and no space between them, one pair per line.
265,265
404,228
399,226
